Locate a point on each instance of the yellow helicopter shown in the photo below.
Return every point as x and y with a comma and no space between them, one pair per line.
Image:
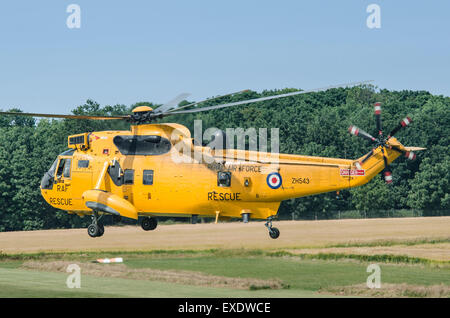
134,174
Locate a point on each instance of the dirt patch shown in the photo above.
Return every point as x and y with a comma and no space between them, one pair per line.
390,290
171,276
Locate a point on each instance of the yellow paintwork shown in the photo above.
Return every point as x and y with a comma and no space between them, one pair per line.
190,188
117,204
142,109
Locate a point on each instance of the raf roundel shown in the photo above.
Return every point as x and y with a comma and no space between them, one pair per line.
274,180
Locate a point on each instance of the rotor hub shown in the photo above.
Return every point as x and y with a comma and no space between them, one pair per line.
142,114
141,109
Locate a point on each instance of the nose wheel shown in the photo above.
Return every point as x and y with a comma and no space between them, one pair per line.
96,229
273,231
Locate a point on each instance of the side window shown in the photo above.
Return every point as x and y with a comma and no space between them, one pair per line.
148,177
142,145
83,163
116,173
60,170
128,176
67,165
224,178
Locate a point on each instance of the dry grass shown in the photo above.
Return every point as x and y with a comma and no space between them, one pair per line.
294,235
390,290
171,276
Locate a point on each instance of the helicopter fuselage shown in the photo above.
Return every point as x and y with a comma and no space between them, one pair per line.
156,170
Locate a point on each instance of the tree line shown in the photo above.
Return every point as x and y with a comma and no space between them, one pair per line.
310,124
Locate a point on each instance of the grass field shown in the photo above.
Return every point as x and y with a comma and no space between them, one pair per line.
310,259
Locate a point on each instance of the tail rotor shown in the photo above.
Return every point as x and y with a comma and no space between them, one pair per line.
405,122
378,119
383,142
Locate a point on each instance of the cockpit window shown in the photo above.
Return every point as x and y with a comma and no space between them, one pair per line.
64,168
66,171
49,176
60,170
142,145
52,169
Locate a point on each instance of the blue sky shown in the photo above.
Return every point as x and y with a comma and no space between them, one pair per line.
129,51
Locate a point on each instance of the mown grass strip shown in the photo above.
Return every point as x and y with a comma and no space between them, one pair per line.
149,253
98,254
224,253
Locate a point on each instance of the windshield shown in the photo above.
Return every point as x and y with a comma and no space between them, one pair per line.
52,169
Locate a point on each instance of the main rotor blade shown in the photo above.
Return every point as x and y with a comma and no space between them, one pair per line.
173,103
255,100
207,100
65,116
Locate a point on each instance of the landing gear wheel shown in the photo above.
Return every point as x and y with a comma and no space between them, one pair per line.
274,233
101,230
149,224
93,230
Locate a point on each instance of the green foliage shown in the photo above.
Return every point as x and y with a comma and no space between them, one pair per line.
311,124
